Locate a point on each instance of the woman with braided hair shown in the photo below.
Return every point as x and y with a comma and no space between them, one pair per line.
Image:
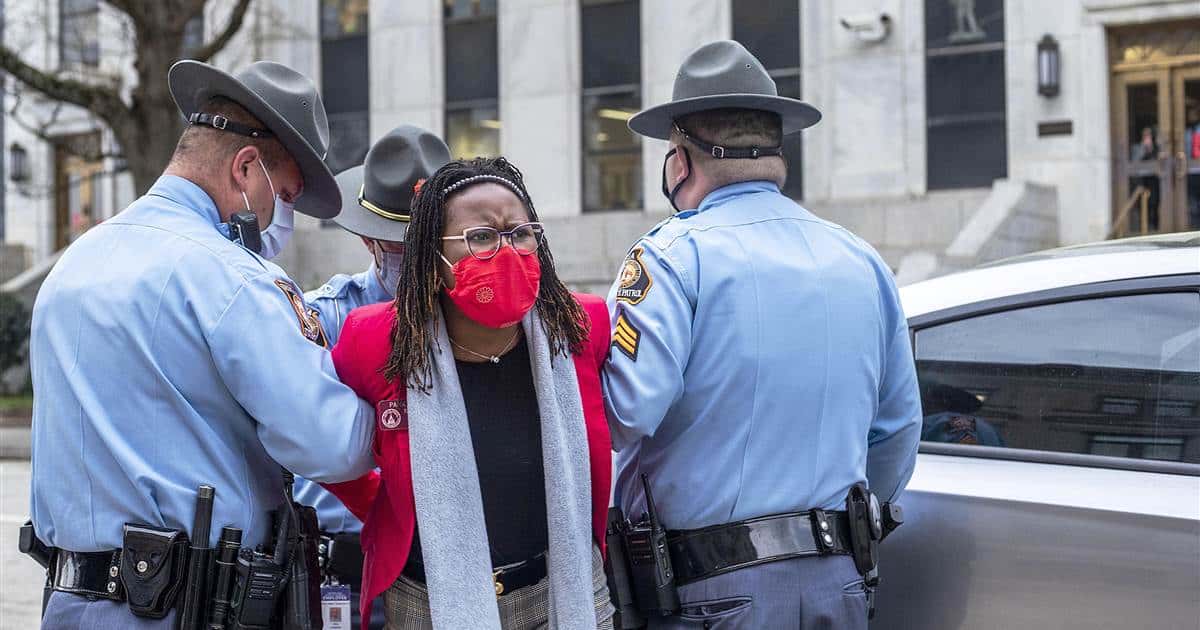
491,436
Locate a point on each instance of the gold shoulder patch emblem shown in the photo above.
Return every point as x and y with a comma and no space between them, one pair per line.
310,319
626,337
634,283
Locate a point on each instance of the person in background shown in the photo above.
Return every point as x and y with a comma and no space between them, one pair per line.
377,200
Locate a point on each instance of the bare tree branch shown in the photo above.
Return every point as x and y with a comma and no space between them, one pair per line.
105,102
41,129
132,8
205,52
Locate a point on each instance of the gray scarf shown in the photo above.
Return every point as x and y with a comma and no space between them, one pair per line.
454,544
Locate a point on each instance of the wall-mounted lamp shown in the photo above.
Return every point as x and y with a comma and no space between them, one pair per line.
1048,66
18,163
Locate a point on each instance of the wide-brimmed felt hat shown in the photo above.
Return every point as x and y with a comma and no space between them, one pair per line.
723,74
285,102
378,203
941,397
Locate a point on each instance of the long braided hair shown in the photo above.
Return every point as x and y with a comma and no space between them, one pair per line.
417,298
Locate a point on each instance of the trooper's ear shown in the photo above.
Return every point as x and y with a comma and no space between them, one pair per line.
243,160
683,163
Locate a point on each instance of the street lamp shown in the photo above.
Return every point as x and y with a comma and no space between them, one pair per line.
1048,66
18,163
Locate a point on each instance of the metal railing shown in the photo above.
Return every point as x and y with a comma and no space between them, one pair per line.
1140,198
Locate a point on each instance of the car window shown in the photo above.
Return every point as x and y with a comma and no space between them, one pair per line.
1116,376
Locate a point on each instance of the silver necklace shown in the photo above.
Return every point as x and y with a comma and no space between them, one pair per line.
494,358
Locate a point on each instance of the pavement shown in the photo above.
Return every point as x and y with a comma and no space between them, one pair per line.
14,442
21,578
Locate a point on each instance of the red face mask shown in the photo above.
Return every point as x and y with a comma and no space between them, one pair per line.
496,292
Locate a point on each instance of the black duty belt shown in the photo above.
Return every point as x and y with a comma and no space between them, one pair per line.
345,557
701,553
94,574
507,578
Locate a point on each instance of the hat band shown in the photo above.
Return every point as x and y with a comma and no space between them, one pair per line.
221,123
726,153
394,216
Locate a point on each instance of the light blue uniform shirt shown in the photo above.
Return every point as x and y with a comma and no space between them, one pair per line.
760,364
165,356
334,300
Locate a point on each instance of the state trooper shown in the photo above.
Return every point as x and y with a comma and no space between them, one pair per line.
760,369
376,205
165,355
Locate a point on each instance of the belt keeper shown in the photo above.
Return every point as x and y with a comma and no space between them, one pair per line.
822,532
114,586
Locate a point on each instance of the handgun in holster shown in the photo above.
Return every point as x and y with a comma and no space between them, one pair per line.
32,546
870,523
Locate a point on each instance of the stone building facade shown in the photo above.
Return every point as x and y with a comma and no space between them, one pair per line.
954,131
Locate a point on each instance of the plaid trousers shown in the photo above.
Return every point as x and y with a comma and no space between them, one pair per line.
406,604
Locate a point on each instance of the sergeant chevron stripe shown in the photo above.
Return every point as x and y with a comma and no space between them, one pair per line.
626,337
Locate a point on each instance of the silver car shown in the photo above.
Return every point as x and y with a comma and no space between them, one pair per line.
1058,481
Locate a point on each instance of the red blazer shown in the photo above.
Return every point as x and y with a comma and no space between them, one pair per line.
384,500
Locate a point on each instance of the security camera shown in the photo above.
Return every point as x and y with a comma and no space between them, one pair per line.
870,28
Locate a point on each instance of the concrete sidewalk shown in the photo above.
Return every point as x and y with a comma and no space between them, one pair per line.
22,578
14,442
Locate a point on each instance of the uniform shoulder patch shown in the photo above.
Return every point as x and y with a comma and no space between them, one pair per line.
635,282
309,318
626,337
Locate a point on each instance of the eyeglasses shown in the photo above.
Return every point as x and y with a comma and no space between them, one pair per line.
484,242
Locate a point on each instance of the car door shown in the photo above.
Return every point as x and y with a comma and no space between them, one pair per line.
1058,480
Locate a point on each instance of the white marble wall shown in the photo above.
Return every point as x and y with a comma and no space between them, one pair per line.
540,99
406,65
671,29
871,142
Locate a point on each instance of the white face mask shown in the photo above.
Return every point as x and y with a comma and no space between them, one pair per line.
387,268
277,235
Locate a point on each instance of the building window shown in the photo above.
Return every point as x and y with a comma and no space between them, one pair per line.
472,78
770,30
79,33
612,74
345,80
966,145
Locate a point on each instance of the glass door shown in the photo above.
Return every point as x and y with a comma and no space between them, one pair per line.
1186,158
1142,154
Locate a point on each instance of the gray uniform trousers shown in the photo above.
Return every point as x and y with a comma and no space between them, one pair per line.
65,611
816,593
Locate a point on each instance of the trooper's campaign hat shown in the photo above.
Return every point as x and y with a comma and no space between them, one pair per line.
289,107
723,74
377,196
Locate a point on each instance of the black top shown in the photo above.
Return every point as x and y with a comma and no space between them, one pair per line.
506,432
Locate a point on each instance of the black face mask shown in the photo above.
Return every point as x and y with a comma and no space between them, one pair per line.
671,193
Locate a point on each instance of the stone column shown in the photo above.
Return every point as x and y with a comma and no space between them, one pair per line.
540,99
407,82
671,29
871,141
